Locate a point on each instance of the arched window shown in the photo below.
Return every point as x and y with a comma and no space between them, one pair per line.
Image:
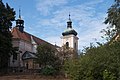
67,44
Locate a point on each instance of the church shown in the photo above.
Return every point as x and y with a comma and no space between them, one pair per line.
27,44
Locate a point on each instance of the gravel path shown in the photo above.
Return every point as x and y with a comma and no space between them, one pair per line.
31,77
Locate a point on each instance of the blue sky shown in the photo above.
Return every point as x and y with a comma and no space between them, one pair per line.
47,19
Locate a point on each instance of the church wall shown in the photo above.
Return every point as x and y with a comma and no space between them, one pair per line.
70,39
30,64
15,43
23,46
15,63
73,42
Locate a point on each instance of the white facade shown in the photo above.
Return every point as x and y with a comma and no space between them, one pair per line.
71,40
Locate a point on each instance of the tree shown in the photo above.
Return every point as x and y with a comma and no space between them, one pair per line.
67,53
98,63
109,33
113,17
46,58
7,15
101,62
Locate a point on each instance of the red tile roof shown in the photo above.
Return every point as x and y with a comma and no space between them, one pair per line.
26,36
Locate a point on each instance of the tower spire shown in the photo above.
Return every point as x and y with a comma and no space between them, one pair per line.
20,22
19,13
69,16
69,22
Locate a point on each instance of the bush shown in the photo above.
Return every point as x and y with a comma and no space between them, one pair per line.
48,70
50,63
98,63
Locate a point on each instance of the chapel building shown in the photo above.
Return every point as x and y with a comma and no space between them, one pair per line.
26,44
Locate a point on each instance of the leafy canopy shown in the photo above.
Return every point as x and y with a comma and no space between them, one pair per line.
7,15
98,63
113,17
48,60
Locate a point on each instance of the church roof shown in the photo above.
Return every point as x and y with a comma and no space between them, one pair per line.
26,36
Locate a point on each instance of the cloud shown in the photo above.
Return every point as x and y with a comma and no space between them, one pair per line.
87,20
54,40
92,35
45,6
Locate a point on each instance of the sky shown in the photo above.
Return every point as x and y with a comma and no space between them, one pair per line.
47,19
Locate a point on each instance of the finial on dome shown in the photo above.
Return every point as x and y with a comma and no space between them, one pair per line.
69,22
69,16
19,13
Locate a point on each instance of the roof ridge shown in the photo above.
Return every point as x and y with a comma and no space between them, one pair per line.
37,37
27,36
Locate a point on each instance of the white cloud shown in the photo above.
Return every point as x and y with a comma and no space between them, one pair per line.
91,35
54,40
86,20
45,6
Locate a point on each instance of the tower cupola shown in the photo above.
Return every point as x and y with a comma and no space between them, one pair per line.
20,22
69,29
69,23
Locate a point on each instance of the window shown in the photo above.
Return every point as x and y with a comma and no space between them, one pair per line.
75,46
67,44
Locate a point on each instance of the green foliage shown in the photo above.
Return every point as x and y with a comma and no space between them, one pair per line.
7,15
113,17
48,70
109,33
49,62
98,63
107,75
67,53
71,68
102,62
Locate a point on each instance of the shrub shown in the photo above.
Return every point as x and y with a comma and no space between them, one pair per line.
48,70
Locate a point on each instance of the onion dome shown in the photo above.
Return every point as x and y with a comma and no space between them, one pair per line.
69,29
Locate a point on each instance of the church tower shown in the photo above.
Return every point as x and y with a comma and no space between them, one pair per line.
20,23
69,36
